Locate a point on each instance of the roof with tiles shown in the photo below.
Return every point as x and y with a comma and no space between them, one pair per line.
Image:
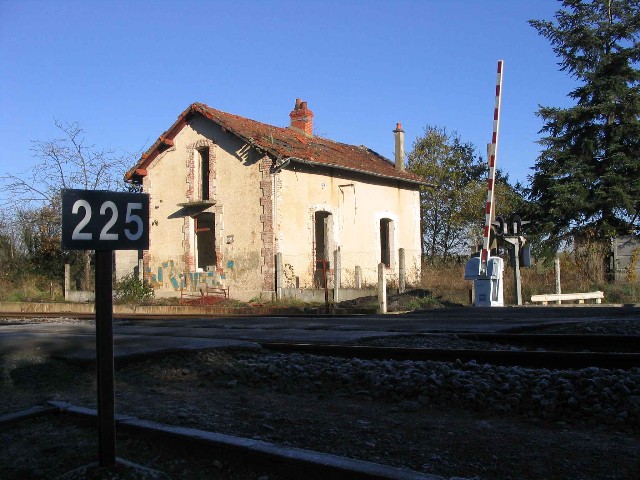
282,144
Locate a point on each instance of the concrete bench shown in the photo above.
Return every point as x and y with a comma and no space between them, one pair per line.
567,297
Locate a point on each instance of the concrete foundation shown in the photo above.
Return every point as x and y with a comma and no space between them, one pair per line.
317,295
79,296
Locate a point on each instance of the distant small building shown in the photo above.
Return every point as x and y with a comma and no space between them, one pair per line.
625,251
227,193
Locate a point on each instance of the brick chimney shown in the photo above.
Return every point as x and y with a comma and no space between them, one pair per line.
302,118
399,134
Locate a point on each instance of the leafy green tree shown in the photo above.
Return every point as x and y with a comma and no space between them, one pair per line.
586,181
452,209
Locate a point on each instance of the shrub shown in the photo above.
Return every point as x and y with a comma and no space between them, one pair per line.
131,289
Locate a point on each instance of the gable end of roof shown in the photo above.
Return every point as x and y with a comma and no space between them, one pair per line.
280,144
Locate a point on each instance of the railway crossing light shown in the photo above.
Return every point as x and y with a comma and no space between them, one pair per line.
500,227
512,226
515,224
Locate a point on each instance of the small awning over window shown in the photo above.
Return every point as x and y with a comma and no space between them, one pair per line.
197,204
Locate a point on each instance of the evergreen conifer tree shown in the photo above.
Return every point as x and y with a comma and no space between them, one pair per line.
587,177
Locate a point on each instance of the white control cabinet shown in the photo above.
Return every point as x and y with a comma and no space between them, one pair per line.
488,288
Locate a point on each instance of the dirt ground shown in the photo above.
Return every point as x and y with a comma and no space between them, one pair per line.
176,390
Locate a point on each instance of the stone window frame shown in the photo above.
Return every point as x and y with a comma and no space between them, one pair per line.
193,171
192,187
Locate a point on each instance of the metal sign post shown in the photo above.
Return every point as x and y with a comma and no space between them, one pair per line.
104,358
105,221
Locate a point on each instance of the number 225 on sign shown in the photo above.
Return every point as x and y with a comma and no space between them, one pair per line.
104,220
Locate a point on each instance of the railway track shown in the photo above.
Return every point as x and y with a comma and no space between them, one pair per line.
380,384
564,342
289,461
610,351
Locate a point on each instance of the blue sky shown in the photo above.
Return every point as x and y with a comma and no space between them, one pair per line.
125,69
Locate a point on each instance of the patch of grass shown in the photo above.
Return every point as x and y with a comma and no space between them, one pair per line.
421,303
30,288
285,303
621,292
446,282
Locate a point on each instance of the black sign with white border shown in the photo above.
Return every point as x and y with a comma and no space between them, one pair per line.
104,220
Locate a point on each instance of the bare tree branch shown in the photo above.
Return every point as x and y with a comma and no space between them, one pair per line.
65,162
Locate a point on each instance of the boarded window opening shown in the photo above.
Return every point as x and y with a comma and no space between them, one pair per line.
322,229
204,173
205,241
386,241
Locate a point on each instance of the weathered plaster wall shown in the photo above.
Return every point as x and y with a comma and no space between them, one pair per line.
240,210
235,186
356,205
126,263
258,214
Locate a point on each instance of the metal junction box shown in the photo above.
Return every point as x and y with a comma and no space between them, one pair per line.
488,288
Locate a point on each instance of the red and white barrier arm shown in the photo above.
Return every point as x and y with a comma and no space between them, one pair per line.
489,211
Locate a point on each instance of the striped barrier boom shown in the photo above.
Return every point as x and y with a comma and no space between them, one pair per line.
489,210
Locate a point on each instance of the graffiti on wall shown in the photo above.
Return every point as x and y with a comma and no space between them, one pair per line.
168,275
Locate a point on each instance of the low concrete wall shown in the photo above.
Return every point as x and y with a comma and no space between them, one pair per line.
27,307
80,296
75,295
317,295
240,295
134,310
71,309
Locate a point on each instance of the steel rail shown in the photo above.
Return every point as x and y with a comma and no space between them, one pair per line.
592,342
290,461
546,359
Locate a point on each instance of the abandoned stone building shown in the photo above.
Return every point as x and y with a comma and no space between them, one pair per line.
227,193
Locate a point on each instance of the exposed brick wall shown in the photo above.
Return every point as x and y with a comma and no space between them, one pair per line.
188,259
277,195
218,211
302,117
192,193
146,256
268,249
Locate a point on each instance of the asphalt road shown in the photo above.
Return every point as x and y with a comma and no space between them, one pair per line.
142,336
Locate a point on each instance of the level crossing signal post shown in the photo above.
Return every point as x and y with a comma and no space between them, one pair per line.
511,233
104,221
488,288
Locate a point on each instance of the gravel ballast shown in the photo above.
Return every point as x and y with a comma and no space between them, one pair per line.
453,419
590,395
